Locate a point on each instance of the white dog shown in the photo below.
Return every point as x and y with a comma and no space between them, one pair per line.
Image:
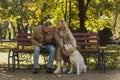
76,59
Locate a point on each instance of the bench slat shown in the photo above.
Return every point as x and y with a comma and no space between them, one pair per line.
28,50
87,43
88,50
23,39
24,34
86,38
24,43
85,34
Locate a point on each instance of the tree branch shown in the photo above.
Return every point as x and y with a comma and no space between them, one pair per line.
88,1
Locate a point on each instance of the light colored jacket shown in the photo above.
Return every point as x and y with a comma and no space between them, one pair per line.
68,38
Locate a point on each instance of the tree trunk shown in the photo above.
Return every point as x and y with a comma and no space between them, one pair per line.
115,21
14,33
82,15
65,14
69,14
0,34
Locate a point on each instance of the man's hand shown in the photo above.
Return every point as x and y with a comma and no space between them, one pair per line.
42,46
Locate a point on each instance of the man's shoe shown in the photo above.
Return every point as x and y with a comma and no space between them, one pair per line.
35,71
49,70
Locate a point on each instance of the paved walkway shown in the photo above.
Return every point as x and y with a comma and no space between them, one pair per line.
26,74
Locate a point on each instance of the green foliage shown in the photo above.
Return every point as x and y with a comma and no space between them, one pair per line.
100,13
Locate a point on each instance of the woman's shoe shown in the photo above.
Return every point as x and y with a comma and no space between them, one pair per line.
58,70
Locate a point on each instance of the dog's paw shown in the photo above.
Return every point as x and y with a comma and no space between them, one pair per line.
78,73
85,72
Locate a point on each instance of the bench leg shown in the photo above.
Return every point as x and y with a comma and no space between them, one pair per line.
99,66
15,58
101,60
17,61
11,56
13,62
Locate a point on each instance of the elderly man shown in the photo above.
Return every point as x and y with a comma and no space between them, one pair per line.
43,38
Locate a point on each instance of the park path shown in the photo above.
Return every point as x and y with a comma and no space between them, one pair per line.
26,74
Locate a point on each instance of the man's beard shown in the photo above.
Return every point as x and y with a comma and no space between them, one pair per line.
49,32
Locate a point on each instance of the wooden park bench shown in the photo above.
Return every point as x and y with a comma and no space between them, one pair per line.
24,45
89,43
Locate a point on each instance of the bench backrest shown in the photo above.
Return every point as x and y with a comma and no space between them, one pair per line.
87,42
23,39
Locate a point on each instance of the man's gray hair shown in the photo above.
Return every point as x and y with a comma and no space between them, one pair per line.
48,23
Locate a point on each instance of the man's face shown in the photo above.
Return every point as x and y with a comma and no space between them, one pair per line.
48,29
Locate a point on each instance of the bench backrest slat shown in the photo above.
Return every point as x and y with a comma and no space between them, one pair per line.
23,34
24,43
24,39
88,40
85,34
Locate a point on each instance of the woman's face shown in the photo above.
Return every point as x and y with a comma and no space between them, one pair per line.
62,27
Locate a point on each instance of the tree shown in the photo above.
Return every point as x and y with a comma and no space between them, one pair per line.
82,14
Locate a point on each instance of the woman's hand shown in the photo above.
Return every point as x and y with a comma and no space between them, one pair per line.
65,52
71,51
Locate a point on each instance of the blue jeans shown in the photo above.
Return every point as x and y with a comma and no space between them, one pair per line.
52,51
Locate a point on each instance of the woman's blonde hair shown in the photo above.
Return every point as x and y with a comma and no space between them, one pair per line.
62,22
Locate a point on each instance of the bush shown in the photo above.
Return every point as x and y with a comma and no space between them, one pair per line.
105,36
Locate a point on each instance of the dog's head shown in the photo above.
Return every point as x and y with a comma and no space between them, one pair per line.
68,47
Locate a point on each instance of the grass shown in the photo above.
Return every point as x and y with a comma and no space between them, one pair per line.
7,45
4,49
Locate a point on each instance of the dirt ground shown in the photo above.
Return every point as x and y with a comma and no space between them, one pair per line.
26,74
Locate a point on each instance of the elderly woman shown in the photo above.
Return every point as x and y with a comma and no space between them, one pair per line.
67,38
